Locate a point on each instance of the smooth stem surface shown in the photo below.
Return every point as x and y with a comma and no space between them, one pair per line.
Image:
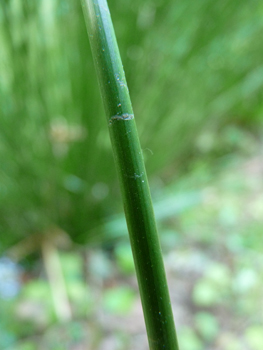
132,175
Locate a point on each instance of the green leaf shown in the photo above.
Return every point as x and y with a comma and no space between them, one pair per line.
207,325
37,290
118,300
188,340
206,294
124,258
254,337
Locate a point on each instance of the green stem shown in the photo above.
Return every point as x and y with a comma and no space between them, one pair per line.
132,176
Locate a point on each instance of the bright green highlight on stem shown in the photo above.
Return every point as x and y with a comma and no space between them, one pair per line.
132,175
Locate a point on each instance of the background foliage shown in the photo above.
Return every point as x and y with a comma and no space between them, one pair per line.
195,75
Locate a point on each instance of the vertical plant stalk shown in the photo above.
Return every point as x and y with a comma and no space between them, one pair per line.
132,176
56,281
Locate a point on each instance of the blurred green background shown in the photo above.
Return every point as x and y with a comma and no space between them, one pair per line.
195,75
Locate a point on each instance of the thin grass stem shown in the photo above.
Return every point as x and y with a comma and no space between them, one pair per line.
132,176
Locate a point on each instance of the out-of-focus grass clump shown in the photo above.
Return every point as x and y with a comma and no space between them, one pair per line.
195,76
